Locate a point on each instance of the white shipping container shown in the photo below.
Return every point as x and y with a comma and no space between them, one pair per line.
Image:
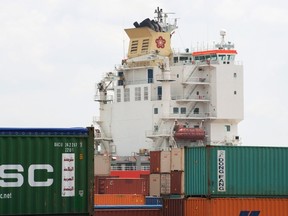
165,162
177,159
154,185
165,184
102,166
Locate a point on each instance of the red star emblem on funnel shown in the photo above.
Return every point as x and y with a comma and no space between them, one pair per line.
160,41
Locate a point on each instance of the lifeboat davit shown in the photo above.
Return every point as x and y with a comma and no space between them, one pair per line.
189,134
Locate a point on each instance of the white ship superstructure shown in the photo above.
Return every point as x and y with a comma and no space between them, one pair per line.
157,99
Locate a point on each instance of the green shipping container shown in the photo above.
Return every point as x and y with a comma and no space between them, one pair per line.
230,171
46,171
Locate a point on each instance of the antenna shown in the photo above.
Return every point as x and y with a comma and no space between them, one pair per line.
222,44
161,18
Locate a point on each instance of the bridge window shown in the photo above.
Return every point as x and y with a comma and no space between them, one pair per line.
150,75
155,110
175,59
228,128
196,110
137,93
127,94
222,57
118,95
145,93
175,110
121,78
183,58
213,57
230,57
183,110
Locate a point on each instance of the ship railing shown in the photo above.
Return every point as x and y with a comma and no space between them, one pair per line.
193,115
157,132
198,79
198,97
211,62
137,82
164,77
101,98
129,168
205,62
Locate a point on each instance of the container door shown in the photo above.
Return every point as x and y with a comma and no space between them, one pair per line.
196,178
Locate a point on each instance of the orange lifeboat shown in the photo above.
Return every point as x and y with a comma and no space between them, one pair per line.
189,134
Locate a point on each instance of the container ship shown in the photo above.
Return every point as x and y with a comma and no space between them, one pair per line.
158,98
168,126
166,142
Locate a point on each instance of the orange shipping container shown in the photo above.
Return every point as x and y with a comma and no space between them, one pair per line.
236,207
119,199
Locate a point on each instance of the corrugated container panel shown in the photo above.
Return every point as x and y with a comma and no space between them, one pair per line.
153,200
119,199
196,178
177,182
98,184
177,159
154,185
46,171
127,212
155,158
236,206
102,165
160,161
173,207
123,186
165,162
222,171
146,177
165,184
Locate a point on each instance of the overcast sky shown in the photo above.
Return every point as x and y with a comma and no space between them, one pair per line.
52,52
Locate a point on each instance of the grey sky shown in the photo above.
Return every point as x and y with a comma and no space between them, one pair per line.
53,52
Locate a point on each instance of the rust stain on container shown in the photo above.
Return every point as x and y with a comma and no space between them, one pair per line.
236,206
119,199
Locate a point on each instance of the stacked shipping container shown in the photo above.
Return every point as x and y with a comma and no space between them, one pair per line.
46,171
226,171
123,194
219,180
236,206
167,172
160,173
236,181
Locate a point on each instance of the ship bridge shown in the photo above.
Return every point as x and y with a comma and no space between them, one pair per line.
214,57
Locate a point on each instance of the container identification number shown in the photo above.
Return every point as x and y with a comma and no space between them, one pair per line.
221,171
68,146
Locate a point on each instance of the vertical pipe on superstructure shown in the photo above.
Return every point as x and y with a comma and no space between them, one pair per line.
166,87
